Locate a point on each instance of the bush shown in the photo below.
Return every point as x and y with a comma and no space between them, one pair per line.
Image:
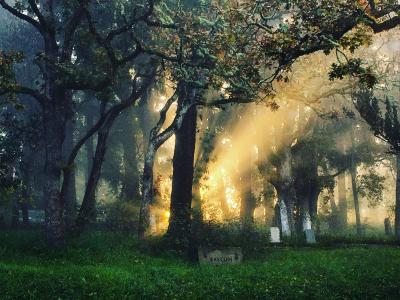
232,234
122,216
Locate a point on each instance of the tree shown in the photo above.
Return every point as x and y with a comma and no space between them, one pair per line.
384,122
277,47
62,27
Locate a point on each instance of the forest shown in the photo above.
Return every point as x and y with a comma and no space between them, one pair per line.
199,149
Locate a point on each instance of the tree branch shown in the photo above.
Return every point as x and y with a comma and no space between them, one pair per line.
163,114
100,40
21,16
38,14
41,98
70,29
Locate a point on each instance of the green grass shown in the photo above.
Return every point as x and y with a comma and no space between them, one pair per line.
114,266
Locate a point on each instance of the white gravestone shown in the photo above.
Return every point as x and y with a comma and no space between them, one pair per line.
223,256
310,236
275,235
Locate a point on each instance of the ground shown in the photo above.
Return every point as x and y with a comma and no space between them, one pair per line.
103,265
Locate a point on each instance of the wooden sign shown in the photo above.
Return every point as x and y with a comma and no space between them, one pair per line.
386,17
222,256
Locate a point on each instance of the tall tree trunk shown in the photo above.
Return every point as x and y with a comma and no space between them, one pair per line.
183,169
87,210
15,213
70,198
89,146
156,139
268,204
130,180
147,117
356,201
333,220
25,212
248,203
342,203
147,189
27,177
283,216
305,213
286,190
55,115
314,204
397,207
54,138
353,173
307,189
247,207
197,211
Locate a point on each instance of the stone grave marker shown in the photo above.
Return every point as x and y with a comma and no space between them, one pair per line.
310,236
223,256
275,237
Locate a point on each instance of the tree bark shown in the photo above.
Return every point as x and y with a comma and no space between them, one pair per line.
397,205
26,187
89,146
247,207
305,214
307,187
25,212
286,190
314,204
54,221
55,115
268,204
27,177
248,203
356,201
197,211
283,216
342,206
130,180
156,139
183,169
147,189
15,213
70,199
87,210
353,173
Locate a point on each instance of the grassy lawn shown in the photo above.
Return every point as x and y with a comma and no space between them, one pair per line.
114,266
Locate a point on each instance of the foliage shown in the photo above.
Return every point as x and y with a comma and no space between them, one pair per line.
383,119
122,215
8,85
10,149
230,233
353,67
371,186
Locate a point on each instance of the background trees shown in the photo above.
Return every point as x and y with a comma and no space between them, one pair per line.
93,62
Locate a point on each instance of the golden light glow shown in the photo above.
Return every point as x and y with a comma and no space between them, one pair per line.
254,133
